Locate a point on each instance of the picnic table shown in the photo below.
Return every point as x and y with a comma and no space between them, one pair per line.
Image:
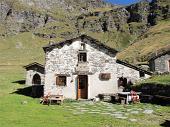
52,98
127,96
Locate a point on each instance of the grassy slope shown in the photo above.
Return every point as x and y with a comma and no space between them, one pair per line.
158,79
155,39
21,49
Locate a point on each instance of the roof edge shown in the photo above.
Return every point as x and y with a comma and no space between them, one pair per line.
34,63
51,46
133,67
159,53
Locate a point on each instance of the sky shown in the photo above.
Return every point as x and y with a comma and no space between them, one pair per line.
123,2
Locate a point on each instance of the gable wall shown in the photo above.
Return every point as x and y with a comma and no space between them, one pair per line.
129,73
65,60
160,64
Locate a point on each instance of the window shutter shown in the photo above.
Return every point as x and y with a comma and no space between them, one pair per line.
61,80
105,76
57,80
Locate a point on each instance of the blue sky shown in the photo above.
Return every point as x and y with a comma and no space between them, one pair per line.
123,2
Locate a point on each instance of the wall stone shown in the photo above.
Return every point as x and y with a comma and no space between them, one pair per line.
160,64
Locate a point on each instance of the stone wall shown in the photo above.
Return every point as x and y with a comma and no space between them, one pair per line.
160,64
153,89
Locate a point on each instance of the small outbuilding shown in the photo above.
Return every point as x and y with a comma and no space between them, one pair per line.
35,74
160,61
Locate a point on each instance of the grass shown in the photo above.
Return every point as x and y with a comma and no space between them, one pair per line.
21,49
158,79
14,113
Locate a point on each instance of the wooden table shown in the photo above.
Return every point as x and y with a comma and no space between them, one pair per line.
127,96
49,98
58,98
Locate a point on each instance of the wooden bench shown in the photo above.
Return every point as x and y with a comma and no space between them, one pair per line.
52,98
58,98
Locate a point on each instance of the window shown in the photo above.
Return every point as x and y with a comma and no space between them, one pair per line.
83,46
82,57
61,80
105,76
141,74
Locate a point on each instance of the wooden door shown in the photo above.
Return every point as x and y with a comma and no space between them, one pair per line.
82,91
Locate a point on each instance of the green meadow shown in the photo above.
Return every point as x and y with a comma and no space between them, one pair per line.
17,110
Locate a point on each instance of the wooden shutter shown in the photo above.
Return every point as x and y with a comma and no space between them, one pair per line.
61,80
105,76
169,65
57,80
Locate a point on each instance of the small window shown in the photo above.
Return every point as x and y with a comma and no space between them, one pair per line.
83,46
105,76
61,80
82,57
141,74
169,64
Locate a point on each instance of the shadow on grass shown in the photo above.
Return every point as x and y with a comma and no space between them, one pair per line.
31,91
165,124
22,82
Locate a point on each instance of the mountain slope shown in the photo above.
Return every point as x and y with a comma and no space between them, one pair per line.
155,39
27,25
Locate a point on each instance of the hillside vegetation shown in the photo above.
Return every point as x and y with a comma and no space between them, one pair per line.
155,39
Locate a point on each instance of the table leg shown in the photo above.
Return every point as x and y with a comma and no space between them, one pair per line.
127,101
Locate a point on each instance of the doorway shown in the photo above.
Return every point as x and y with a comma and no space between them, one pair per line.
36,79
122,84
82,87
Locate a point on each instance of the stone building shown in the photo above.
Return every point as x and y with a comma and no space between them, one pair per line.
35,74
83,67
160,62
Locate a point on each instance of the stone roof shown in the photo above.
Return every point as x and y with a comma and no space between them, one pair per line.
159,53
33,64
53,45
133,67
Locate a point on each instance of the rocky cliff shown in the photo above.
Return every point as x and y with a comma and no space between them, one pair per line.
25,15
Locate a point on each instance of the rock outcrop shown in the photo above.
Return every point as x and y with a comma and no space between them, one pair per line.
78,16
